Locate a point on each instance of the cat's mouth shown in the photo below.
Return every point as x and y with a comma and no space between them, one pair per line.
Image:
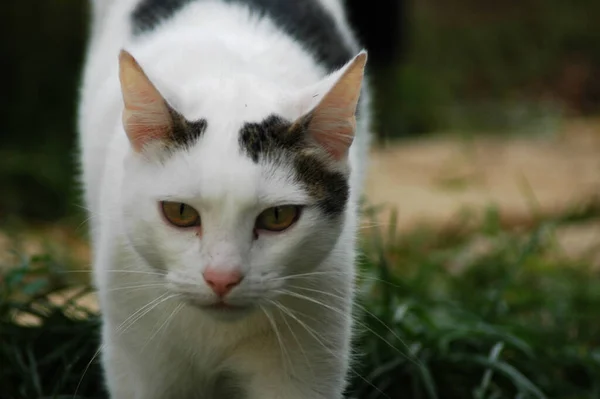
222,307
226,312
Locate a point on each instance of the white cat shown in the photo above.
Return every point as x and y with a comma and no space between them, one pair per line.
223,163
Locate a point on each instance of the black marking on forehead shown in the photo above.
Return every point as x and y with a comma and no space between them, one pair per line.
305,20
271,136
278,140
184,133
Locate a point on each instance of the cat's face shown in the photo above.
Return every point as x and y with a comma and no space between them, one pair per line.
231,209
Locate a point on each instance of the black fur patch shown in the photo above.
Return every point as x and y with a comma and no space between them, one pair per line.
278,140
149,13
185,133
304,20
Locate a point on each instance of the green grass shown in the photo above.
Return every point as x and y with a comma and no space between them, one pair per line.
443,317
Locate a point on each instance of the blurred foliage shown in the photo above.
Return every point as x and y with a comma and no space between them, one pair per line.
40,357
41,49
514,65
437,318
492,66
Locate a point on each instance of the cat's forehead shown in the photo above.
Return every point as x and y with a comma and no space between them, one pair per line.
226,102
214,165
209,117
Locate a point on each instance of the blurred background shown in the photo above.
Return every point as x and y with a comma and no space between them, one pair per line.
487,162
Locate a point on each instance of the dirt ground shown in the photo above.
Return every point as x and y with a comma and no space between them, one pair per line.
432,180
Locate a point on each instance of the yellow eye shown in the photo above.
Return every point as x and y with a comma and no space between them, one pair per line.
278,218
180,215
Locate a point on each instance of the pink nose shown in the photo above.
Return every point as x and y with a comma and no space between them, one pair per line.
222,282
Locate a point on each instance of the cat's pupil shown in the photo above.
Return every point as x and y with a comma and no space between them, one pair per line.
277,214
181,209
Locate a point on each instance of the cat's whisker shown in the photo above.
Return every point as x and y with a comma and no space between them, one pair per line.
364,309
164,324
141,309
364,226
148,311
115,271
87,367
91,215
333,273
309,274
308,363
309,299
137,287
84,222
314,334
284,354
309,329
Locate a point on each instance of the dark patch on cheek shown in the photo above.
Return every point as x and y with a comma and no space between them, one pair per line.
278,140
185,133
329,188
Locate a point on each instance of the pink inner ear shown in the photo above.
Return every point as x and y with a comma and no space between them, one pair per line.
146,116
334,134
333,120
140,131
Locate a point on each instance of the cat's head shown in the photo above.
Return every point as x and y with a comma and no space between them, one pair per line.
232,205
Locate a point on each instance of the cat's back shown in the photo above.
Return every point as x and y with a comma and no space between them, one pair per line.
318,25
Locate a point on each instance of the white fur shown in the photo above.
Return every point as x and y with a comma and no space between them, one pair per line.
213,61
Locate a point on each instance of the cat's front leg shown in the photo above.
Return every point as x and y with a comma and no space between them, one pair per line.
126,380
121,380
147,374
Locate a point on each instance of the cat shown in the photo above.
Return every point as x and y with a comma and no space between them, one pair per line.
223,151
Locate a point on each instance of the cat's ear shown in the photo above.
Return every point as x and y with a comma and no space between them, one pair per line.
332,122
146,115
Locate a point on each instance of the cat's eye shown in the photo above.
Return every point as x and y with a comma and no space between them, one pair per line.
278,218
180,214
